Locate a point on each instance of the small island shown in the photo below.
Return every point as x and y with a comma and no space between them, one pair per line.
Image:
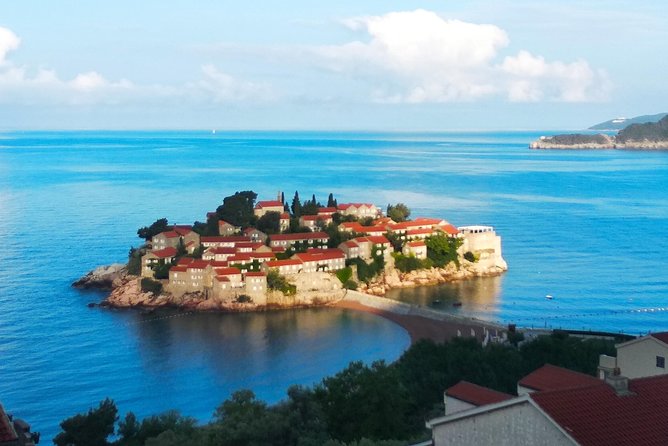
646,136
250,255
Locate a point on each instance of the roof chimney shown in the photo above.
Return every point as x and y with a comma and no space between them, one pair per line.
618,382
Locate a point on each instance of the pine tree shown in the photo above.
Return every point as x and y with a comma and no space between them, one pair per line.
296,206
330,201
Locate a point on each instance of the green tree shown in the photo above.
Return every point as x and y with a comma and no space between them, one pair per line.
134,260
134,433
269,223
364,401
331,202
156,228
237,209
442,250
398,212
90,429
296,206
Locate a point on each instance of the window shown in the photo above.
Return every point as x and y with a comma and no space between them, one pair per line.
661,362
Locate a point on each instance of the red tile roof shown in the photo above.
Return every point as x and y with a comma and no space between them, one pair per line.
300,236
170,234
329,210
475,394
286,262
416,243
222,279
198,264
256,274
450,229
221,250
223,223
316,255
285,216
227,271
351,244
179,269
420,231
185,261
352,226
596,415
663,336
370,229
344,206
219,263
268,204
164,253
182,229
551,377
262,255
315,218
239,257
225,239
378,239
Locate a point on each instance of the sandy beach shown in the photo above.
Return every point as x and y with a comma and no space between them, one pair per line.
420,327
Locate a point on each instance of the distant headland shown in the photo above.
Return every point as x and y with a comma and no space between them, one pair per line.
645,136
250,255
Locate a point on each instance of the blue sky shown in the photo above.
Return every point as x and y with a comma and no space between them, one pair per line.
373,65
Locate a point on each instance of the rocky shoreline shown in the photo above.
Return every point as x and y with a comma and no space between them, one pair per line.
126,290
547,144
393,278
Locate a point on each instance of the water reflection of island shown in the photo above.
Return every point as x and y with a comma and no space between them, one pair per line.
264,351
480,295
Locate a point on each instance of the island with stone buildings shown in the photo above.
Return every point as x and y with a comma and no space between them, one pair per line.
252,255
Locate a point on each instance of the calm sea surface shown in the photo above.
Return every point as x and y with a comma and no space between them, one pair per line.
589,228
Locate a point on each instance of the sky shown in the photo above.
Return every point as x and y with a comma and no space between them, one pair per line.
344,65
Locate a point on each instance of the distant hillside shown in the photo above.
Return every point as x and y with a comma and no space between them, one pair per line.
651,131
650,135
620,123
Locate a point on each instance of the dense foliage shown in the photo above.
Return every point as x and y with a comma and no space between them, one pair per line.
442,250
410,263
156,228
398,212
276,281
363,405
269,223
651,131
237,209
134,261
151,286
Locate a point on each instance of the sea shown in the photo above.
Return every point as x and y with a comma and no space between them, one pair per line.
585,235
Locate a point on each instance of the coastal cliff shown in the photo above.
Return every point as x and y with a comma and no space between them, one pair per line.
647,136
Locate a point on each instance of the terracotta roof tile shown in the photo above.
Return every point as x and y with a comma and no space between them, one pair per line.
596,415
663,336
316,255
268,204
551,377
227,271
475,394
300,236
164,253
256,274
286,262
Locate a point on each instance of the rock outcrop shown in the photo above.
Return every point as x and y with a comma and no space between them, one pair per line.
313,289
103,277
434,276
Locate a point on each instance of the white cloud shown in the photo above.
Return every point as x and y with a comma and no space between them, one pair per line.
221,87
8,42
26,86
531,78
418,56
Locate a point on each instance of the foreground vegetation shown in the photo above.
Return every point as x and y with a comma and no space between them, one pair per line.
363,405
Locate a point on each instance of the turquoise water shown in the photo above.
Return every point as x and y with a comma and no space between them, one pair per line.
588,228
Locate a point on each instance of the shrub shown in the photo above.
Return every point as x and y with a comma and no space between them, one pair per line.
243,299
468,255
134,261
350,284
275,281
151,286
344,274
